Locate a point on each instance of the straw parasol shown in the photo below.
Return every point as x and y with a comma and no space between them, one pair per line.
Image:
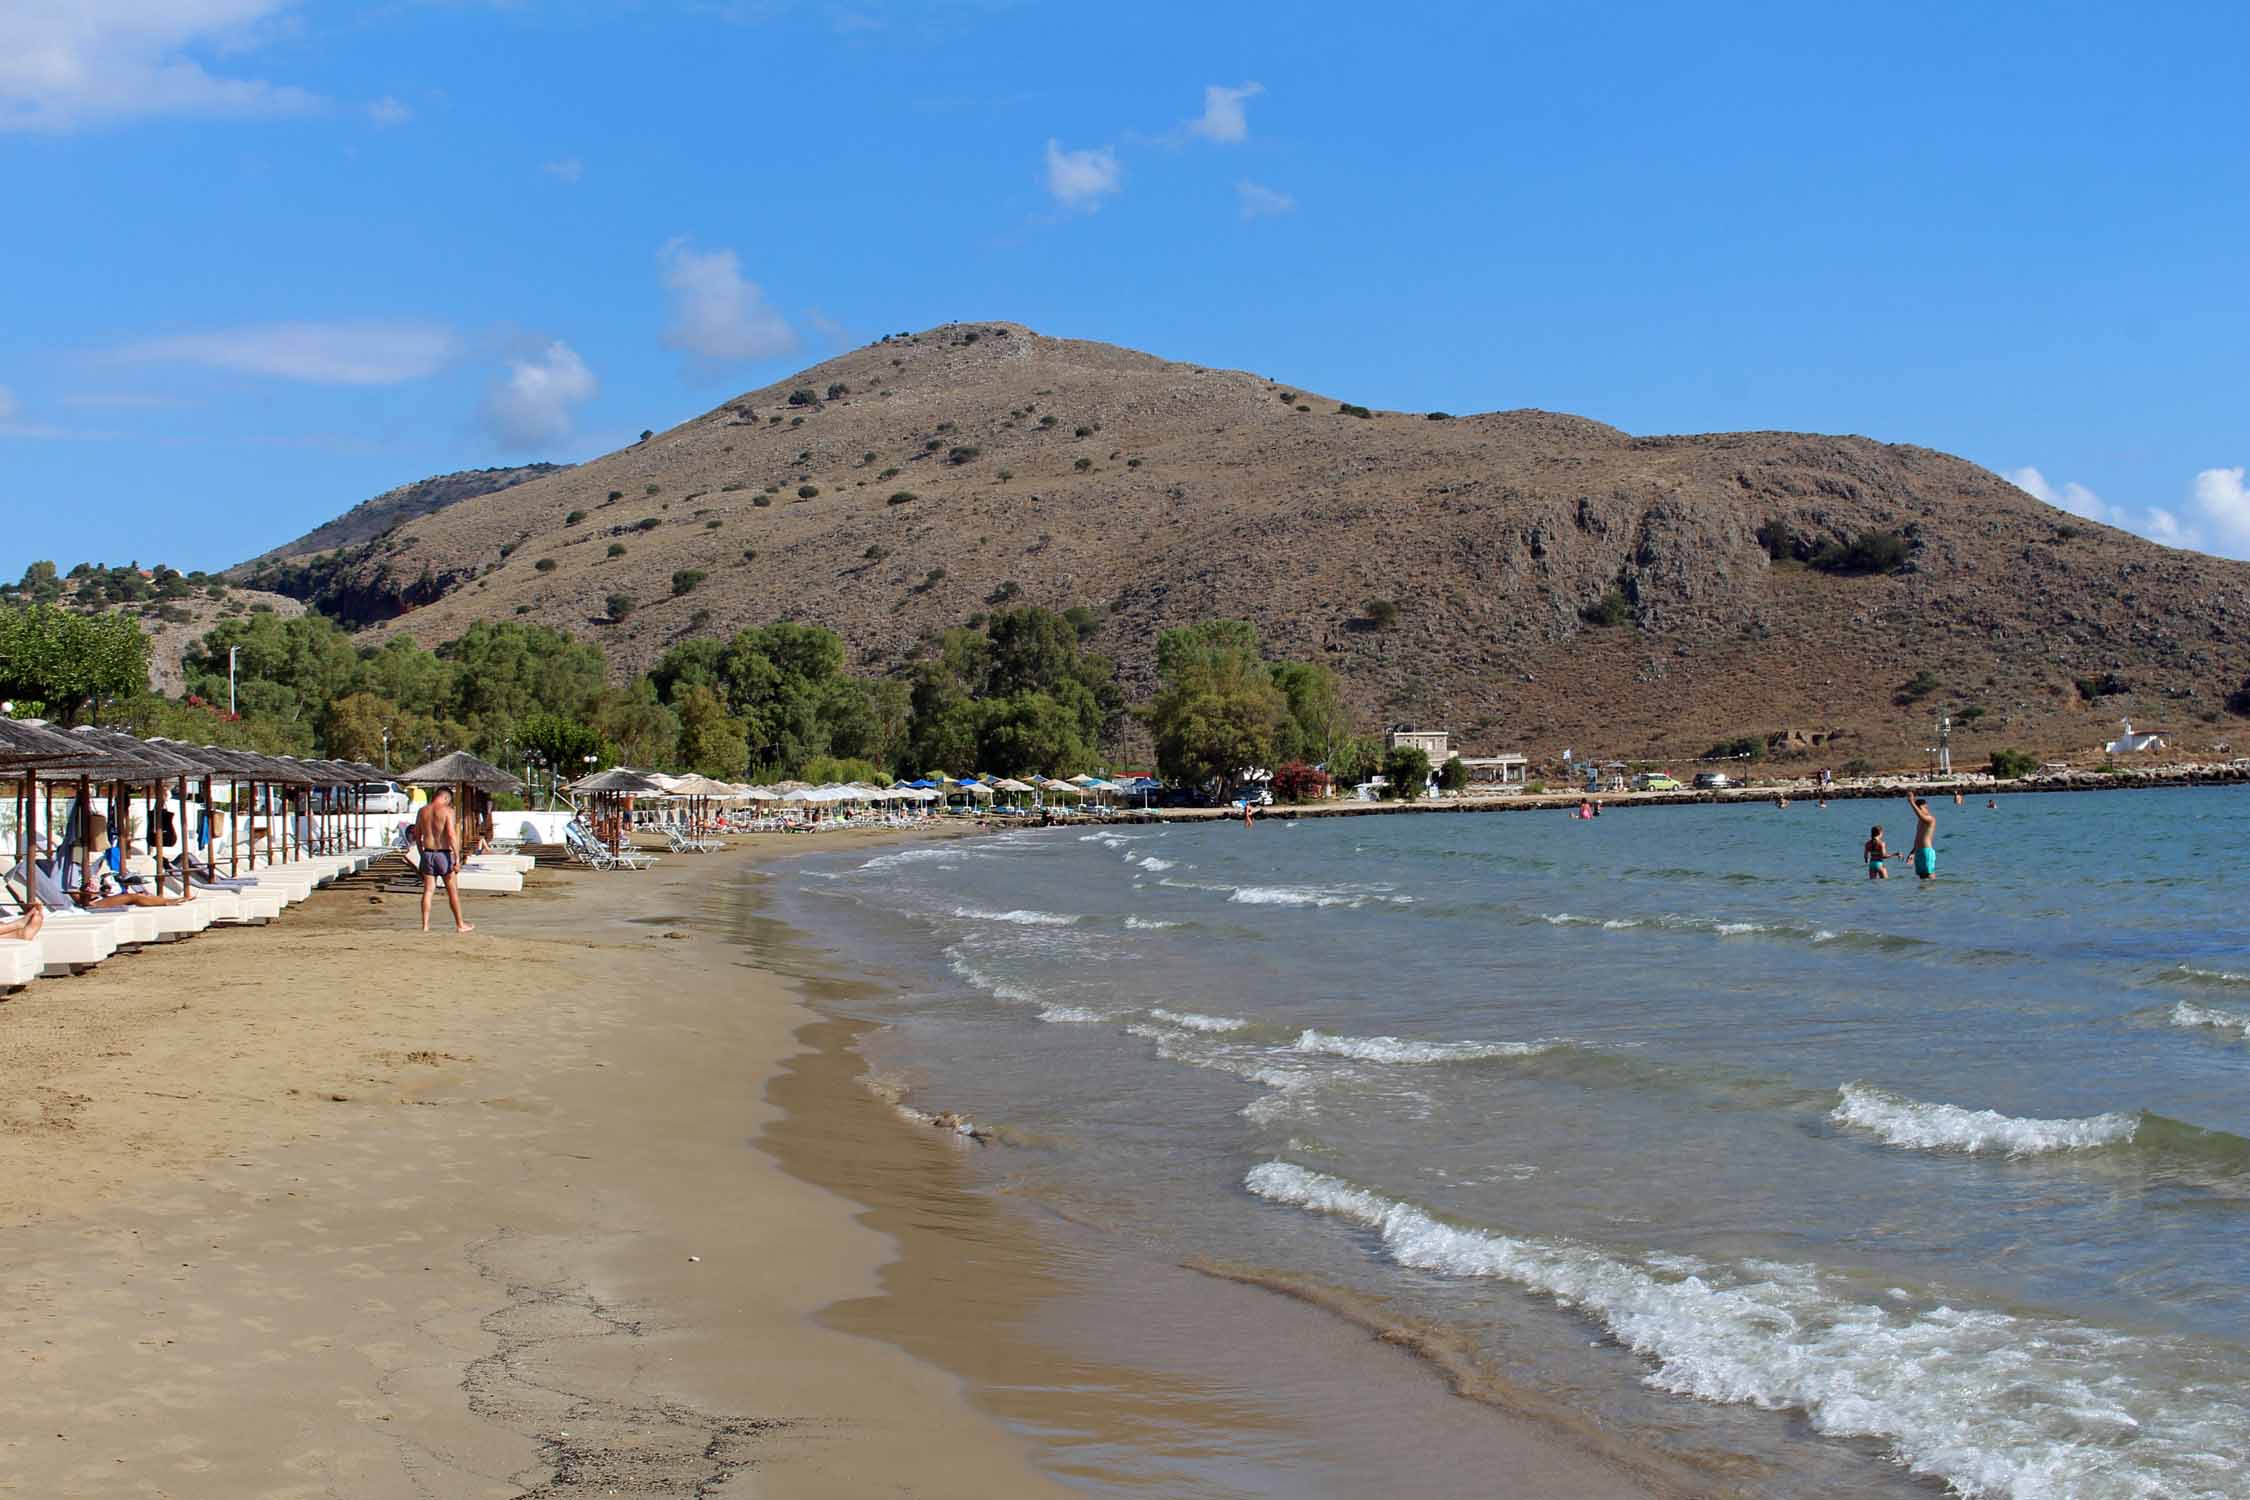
477,781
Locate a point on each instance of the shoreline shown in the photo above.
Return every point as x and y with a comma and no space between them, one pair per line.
1977,785
329,1208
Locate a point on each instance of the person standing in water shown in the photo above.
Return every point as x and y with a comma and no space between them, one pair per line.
1878,855
437,835
1925,838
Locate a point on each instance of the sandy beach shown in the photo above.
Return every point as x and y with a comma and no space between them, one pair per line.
333,1209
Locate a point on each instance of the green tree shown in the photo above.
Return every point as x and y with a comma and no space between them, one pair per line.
1453,776
285,668
1033,733
1217,717
559,741
65,661
712,742
1407,769
638,730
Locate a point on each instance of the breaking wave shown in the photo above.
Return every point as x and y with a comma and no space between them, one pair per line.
2210,1017
1147,924
1021,918
1991,1404
1190,1020
1920,1126
1392,1049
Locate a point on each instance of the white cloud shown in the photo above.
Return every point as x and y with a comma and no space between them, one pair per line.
2215,517
387,111
8,407
536,403
2225,503
2075,498
1259,202
65,64
1223,119
568,169
717,316
357,352
1081,179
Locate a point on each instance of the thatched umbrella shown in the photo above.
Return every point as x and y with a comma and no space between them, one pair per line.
474,780
30,746
141,763
606,788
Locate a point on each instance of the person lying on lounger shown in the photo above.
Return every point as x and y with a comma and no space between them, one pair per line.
25,927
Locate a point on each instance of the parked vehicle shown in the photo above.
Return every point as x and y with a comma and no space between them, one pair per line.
386,797
1712,781
1654,781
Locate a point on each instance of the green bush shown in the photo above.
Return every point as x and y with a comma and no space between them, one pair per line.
761,500
801,396
1382,614
1440,416
2108,685
1741,747
619,605
1407,769
1083,465
713,525
616,549
652,489
647,523
544,565
1453,776
807,491
1347,409
1611,609
749,554
1870,552
574,518
614,497
902,497
685,580
964,454
1917,687
838,388
2007,765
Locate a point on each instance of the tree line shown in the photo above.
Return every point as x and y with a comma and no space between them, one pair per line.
1016,692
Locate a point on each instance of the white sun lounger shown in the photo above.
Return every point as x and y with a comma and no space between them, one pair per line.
21,961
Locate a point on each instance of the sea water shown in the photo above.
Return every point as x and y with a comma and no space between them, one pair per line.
1890,1186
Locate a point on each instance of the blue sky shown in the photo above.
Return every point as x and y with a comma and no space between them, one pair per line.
269,257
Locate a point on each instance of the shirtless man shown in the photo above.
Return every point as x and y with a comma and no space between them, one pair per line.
1925,838
437,833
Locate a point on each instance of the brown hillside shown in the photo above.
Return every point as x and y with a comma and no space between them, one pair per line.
395,507
1195,492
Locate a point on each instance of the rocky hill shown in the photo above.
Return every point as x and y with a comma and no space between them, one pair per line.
1529,579
395,507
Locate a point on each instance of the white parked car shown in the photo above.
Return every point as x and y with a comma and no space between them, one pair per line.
386,797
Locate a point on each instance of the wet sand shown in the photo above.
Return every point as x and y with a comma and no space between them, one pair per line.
587,1202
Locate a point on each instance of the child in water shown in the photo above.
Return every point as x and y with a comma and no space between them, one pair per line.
1877,855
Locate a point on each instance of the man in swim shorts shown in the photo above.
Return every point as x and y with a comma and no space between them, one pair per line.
1878,856
1925,838
437,833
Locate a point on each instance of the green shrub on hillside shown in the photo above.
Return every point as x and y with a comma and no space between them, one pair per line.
2007,765
685,580
619,606
574,518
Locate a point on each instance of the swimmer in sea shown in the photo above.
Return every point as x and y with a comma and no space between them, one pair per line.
1925,838
1990,803
1877,854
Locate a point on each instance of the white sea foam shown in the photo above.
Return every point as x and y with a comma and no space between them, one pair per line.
1020,918
1918,1126
1073,1015
1147,924
1152,863
1194,1022
1300,895
1992,1405
941,855
2188,1013
999,989
1392,1049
